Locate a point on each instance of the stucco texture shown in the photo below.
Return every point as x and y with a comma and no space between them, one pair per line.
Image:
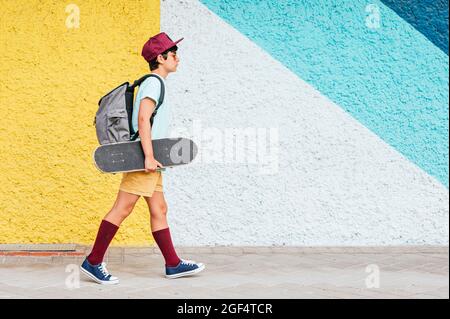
52,78
371,62
356,160
430,17
335,182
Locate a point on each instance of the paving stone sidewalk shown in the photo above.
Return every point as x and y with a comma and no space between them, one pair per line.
236,272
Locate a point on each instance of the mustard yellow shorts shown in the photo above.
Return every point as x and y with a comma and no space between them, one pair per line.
142,183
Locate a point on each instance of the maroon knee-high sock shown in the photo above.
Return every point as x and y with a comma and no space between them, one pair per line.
105,234
164,241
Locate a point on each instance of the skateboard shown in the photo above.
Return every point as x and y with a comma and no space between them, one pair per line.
129,156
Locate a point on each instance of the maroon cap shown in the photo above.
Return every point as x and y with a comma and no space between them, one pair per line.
157,45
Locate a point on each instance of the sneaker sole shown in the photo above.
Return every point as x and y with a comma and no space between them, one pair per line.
187,273
101,282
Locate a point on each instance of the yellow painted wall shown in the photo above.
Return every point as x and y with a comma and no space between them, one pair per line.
52,77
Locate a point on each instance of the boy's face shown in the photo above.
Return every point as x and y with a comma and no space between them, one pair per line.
172,61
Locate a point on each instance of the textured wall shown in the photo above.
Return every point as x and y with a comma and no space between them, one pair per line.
52,78
340,173
337,182
364,57
428,16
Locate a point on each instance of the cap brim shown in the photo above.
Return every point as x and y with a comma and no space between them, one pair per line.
178,40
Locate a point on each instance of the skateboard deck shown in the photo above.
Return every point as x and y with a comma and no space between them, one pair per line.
129,156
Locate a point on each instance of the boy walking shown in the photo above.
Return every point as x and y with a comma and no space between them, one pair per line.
161,54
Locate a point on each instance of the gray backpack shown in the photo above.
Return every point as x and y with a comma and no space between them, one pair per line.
114,115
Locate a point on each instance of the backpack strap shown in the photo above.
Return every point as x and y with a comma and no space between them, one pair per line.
160,100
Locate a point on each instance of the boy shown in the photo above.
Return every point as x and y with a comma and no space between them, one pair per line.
161,54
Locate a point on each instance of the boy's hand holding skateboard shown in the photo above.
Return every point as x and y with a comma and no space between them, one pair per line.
151,164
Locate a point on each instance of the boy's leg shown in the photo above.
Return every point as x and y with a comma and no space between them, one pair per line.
158,211
123,206
160,229
175,267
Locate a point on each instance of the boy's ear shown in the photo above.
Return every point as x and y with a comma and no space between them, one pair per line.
160,58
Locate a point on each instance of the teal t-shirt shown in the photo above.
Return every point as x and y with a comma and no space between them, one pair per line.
151,88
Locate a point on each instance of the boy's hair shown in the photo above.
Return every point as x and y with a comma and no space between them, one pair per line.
154,64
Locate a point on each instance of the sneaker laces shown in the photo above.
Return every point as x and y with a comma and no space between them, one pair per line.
103,269
188,262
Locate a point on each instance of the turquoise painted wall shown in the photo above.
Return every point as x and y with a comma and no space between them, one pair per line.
430,17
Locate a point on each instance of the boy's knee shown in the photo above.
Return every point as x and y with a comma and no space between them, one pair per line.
159,211
124,211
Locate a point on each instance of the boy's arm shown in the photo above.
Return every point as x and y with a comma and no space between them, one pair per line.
145,112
